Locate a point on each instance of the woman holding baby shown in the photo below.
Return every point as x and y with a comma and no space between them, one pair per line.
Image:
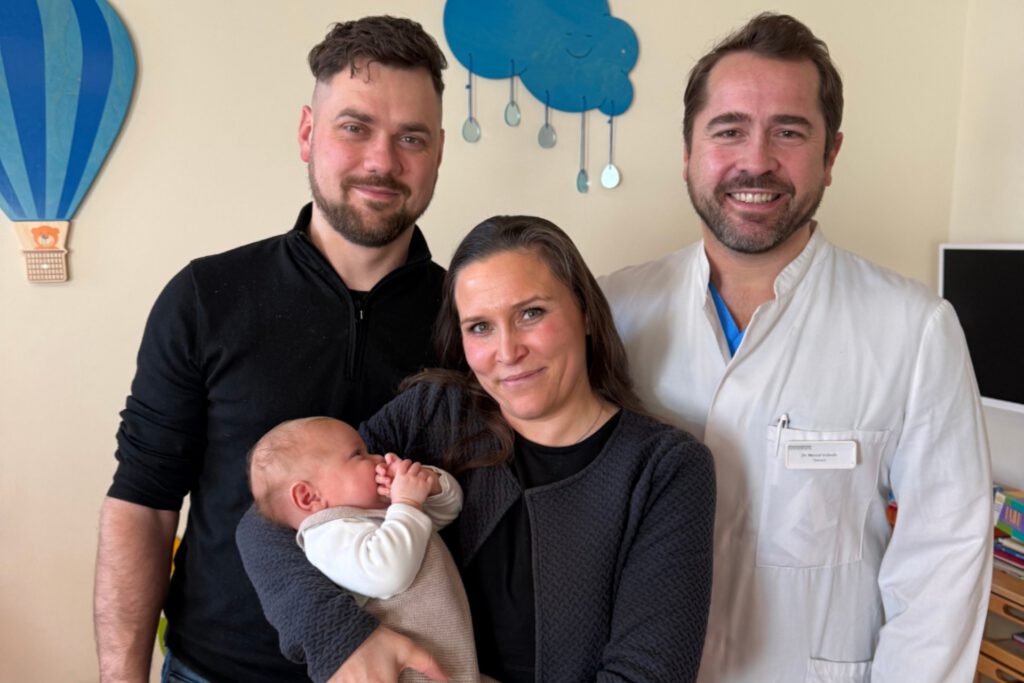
584,541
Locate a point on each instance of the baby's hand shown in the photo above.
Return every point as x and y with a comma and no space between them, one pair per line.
385,474
412,483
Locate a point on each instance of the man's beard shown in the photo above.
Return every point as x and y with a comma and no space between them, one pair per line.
349,223
732,236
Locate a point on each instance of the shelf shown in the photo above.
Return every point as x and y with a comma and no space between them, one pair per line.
1007,652
1002,658
994,671
1009,587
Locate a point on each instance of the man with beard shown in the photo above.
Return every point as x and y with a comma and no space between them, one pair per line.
822,384
323,320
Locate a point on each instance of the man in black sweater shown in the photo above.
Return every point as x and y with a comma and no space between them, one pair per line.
325,319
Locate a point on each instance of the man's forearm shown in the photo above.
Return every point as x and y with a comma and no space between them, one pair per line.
132,570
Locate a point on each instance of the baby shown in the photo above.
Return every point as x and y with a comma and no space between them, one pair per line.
370,524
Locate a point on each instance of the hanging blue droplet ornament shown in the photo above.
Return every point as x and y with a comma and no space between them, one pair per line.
470,129
512,114
546,137
582,182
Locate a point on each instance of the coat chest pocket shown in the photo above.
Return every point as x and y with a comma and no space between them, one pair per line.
816,517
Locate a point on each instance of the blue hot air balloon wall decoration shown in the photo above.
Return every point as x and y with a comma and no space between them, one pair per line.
572,55
67,70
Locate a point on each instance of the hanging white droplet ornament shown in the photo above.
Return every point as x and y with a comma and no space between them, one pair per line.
610,176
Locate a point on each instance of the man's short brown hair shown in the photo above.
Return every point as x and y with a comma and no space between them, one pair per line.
776,36
389,41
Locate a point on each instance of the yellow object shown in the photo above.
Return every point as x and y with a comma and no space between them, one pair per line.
161,627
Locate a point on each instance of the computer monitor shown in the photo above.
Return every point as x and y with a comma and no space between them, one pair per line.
985,285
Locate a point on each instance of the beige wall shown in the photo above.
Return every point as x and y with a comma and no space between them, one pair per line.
989,173
208,160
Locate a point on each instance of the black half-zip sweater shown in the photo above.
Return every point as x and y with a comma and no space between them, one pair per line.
235,344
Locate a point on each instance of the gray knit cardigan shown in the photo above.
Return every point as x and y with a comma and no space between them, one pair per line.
621,550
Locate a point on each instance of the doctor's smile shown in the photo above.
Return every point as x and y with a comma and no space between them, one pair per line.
754,193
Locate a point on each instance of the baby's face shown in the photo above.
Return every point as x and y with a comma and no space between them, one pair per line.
346,473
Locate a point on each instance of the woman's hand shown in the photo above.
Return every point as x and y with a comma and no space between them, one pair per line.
382,657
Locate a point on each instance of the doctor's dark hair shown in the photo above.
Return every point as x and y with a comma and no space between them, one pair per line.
389,41
775,36
607,366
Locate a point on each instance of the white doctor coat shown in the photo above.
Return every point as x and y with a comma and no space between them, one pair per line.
809,582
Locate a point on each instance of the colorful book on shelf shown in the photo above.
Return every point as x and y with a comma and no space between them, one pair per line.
1008,558
1009,513
1011,547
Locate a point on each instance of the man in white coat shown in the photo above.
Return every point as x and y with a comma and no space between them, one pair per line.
823,385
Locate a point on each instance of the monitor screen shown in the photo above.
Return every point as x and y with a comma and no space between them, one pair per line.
985,284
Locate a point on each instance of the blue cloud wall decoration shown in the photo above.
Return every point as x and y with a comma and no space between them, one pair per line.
571,55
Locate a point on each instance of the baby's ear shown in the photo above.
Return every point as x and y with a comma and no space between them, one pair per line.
306,497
